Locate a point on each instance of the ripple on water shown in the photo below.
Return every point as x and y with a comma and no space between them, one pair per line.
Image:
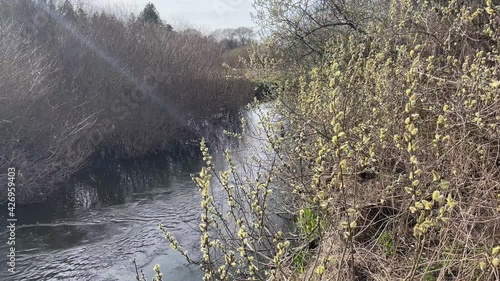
99,244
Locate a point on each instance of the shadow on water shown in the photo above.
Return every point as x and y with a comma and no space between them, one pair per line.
109,217
127,179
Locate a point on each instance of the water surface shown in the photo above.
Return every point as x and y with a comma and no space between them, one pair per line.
118,208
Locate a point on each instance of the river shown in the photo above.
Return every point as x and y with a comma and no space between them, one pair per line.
119,207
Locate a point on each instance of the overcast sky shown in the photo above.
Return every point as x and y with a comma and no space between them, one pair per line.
203,14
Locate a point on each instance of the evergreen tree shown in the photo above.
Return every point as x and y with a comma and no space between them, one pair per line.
149,14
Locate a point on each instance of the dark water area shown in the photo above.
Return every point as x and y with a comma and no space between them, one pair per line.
111,216
112,220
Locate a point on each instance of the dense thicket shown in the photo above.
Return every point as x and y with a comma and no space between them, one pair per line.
389,145
398,122
76,83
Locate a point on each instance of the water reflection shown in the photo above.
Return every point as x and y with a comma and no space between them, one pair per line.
112,220
116,182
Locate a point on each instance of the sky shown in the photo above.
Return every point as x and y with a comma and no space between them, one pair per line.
201,14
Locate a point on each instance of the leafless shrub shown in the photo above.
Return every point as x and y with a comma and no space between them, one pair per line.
90,83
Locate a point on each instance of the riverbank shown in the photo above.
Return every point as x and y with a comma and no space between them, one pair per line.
391,148
79,84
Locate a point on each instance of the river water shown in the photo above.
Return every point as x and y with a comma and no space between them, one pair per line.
119,207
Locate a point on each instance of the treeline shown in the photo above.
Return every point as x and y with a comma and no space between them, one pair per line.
237,42
74,84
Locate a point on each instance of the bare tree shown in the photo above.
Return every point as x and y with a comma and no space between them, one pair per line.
234,38
306,26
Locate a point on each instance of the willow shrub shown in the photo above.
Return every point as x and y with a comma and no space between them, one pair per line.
399,130
239,236
391,144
